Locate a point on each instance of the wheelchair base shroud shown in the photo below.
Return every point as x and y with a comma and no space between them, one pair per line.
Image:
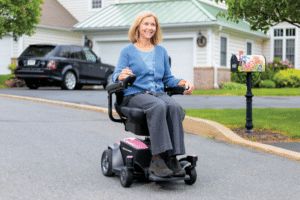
130,159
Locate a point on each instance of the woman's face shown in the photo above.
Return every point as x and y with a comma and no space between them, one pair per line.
147,28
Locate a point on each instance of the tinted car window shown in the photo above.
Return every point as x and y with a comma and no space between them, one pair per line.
77,53
89,55
65,52
38,51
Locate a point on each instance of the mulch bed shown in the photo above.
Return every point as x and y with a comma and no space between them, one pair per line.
264,136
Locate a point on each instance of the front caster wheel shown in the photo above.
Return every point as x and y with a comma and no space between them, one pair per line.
193,175
106,163
126,177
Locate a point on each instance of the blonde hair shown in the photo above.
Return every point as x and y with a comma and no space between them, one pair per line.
133,32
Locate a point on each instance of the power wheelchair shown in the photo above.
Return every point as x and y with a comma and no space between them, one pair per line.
130,158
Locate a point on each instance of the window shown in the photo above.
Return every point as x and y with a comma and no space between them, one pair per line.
77,53
96,4
223,60
65,52
89,55
284,41
249,48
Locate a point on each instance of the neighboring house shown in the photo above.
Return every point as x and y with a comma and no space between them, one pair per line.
181,22
106,23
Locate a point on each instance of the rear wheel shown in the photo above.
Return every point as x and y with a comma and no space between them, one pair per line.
32,84
106,163
69,81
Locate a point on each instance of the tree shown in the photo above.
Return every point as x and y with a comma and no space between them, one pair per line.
262,14
18,17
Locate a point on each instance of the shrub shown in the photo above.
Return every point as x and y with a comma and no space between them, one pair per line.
12,67
241,77
267,84
287,78
234,86
273,67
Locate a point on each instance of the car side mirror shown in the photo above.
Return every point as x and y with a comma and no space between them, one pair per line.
98,60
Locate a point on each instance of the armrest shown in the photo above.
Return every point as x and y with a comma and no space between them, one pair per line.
174,90
115,88
122,85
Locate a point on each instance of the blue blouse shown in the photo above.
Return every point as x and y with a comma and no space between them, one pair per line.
149,77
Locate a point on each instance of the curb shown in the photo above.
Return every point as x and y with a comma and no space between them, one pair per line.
191,125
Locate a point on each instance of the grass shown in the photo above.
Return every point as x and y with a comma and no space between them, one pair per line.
3,78
285,121
255,92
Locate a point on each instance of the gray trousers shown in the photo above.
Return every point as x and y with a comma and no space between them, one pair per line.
164,117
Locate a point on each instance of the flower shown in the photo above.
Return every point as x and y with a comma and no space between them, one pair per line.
281,61
275,64
290,66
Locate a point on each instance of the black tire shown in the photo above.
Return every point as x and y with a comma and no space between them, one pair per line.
31,84
69,81
193,175
78,86
126,177
106,163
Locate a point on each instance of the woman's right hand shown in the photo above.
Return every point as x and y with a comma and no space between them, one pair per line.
124,74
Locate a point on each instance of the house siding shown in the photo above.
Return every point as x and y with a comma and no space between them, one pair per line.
266,49
81,9
51,36
15,49
201,54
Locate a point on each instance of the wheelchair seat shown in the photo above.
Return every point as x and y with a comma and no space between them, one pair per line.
134,119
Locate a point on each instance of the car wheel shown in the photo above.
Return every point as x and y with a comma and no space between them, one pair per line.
69,81
126,177
106,163
108,81
31,84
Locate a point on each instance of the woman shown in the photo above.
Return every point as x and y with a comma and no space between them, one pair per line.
150,63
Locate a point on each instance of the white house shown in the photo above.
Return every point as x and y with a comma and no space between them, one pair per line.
106,23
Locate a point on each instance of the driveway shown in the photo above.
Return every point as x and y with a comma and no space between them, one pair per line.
53,152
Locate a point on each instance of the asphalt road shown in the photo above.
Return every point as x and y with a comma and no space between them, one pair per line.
99,98
53,152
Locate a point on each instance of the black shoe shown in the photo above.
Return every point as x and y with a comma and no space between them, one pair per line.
160,169
175,166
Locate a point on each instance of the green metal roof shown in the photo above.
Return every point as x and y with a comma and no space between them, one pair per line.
170,14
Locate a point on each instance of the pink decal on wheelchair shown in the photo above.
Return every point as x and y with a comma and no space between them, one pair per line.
136,143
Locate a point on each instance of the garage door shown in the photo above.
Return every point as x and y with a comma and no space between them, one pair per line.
180,51
5,54
109,52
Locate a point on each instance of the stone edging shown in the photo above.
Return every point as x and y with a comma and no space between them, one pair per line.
191,125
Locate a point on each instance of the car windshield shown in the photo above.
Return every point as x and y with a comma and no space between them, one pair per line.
38,51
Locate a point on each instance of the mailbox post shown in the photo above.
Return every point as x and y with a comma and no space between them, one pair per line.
248,64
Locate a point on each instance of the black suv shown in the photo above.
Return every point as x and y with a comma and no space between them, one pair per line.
68,66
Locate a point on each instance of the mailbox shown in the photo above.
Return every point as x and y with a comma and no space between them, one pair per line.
248,63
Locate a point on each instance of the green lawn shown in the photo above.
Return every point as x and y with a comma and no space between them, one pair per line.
285,121
255,92
3,78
